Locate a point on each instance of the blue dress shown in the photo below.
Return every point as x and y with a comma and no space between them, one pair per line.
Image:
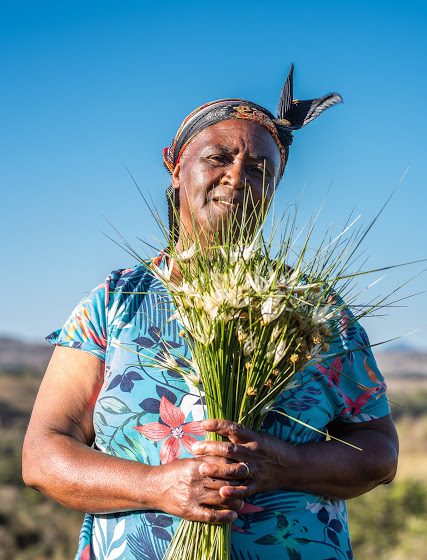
150,415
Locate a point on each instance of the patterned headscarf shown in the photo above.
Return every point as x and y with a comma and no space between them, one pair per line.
292,114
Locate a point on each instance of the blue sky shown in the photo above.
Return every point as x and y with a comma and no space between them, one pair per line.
91,87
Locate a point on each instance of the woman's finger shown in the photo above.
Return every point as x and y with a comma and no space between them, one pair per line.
213,499
230,471
225,449
215,516
217,483
217,459
242,492
235,432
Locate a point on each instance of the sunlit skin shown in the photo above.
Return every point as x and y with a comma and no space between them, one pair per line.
216,167
221,165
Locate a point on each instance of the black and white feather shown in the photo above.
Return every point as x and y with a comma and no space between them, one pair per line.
295,113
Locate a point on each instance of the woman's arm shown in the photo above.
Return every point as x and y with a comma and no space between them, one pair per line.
58,459
328,468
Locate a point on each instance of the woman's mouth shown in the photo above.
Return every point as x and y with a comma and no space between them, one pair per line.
224,202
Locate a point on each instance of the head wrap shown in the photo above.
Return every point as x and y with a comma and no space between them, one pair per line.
292,114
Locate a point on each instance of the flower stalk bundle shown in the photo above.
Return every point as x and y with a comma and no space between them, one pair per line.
252,321
253,317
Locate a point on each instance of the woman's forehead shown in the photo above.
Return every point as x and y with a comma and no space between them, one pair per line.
236,135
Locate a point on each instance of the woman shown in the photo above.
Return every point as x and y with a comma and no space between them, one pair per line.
126,442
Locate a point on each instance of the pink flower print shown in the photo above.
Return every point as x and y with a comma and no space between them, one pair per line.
250,508
333,373
85,553
174,429
355,407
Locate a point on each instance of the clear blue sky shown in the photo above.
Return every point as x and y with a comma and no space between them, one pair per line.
87,86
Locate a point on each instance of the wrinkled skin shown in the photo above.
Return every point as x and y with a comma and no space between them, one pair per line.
222,164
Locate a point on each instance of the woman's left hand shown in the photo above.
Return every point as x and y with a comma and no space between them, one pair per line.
255,460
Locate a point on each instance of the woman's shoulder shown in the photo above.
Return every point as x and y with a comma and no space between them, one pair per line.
125,282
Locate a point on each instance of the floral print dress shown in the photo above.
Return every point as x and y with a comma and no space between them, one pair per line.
153,416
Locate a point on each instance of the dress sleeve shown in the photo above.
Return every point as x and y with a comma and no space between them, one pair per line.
86,327
361,385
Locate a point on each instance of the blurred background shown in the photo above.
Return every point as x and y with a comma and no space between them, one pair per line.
91,90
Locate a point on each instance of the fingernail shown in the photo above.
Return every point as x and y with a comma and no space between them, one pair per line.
196,447
235,516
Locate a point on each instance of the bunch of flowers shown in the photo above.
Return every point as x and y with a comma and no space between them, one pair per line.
252,321
252,317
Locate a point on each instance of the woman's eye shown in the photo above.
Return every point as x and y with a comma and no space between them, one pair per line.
217,158
260,169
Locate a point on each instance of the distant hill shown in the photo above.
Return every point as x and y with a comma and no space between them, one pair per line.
18,354
405,362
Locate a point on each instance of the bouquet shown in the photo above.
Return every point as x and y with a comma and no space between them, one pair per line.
252,316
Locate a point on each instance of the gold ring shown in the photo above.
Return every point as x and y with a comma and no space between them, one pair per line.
247,469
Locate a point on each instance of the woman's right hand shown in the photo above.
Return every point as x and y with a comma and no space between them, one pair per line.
182,490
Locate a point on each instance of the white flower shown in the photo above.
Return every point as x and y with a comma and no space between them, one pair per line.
259,284
184,288
193,379
226,294
279,353
271,309
293,283
276,331
166,361
295,276
202,330
323,313
245,252
163,274
210,306
249,346
188,254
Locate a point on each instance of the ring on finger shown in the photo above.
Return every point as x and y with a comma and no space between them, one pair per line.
248,470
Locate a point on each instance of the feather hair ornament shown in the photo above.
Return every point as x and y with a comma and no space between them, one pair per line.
295,113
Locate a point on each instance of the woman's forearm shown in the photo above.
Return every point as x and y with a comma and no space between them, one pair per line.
336,470
84,479
328,468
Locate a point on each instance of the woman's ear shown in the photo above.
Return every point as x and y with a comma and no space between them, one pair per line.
175,176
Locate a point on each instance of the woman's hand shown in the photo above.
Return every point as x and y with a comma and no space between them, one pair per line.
252,458
183,490
323,468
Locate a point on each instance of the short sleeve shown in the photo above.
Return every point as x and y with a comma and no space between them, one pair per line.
361,385
86,327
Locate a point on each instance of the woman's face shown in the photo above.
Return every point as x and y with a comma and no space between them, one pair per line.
216,170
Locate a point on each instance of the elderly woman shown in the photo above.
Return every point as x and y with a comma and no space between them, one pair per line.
124,442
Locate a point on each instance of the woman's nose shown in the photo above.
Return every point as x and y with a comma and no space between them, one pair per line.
235,176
